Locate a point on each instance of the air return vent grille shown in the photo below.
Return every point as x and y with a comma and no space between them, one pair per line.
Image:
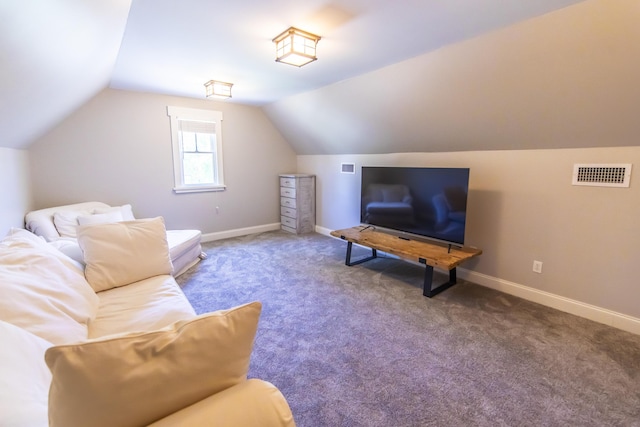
348,168
602,175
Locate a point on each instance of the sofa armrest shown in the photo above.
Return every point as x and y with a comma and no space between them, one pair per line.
251,403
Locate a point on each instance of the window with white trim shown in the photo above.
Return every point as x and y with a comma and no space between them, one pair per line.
196,137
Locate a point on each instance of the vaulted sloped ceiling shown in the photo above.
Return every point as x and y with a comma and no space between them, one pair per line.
391,75
55,55
568,79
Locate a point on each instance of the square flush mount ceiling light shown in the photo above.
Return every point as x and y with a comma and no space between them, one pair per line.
217,89
296,47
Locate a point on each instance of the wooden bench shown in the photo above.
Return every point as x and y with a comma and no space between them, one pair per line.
443,256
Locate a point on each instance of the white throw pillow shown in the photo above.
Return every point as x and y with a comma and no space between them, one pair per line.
136,379
66,222
24,378
121,253
125,210
102,218
43,291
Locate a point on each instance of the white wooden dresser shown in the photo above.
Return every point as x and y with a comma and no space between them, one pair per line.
298,202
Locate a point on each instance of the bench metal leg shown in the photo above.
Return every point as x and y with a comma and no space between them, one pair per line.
347,261
428,290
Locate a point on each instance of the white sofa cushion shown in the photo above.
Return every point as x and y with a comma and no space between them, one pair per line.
121,253
24,378
147,305
137,379
43,291
185,249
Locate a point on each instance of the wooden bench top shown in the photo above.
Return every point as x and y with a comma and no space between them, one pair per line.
439,255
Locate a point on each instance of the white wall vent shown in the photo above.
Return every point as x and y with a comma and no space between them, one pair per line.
348,168
602,175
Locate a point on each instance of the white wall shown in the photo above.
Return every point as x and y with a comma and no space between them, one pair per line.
522,207
117,149
15,185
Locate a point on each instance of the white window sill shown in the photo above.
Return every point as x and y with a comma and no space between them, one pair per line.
180,190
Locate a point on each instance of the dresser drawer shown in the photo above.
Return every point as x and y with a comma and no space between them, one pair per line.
288,222
287,182
291,213
289,229
290,203
288,192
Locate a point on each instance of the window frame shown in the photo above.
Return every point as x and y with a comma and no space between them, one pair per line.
197,115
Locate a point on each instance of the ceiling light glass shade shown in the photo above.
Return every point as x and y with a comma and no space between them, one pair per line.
216,89
296,47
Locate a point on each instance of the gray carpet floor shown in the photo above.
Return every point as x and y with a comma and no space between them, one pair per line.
361,346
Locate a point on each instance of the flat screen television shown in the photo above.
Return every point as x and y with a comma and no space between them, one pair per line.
419,201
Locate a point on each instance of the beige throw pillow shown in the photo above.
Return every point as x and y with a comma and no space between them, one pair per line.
117,254
137,379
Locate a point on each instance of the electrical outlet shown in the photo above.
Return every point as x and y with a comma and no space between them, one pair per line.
537,266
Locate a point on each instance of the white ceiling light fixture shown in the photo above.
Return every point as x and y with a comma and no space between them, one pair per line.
218,89
296,47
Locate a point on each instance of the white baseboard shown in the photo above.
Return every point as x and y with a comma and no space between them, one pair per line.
325,231
578,308
210,237
587,311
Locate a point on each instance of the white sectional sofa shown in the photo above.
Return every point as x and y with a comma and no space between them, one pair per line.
117,343
58,224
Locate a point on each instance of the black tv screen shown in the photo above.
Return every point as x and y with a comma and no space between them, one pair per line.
428,202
